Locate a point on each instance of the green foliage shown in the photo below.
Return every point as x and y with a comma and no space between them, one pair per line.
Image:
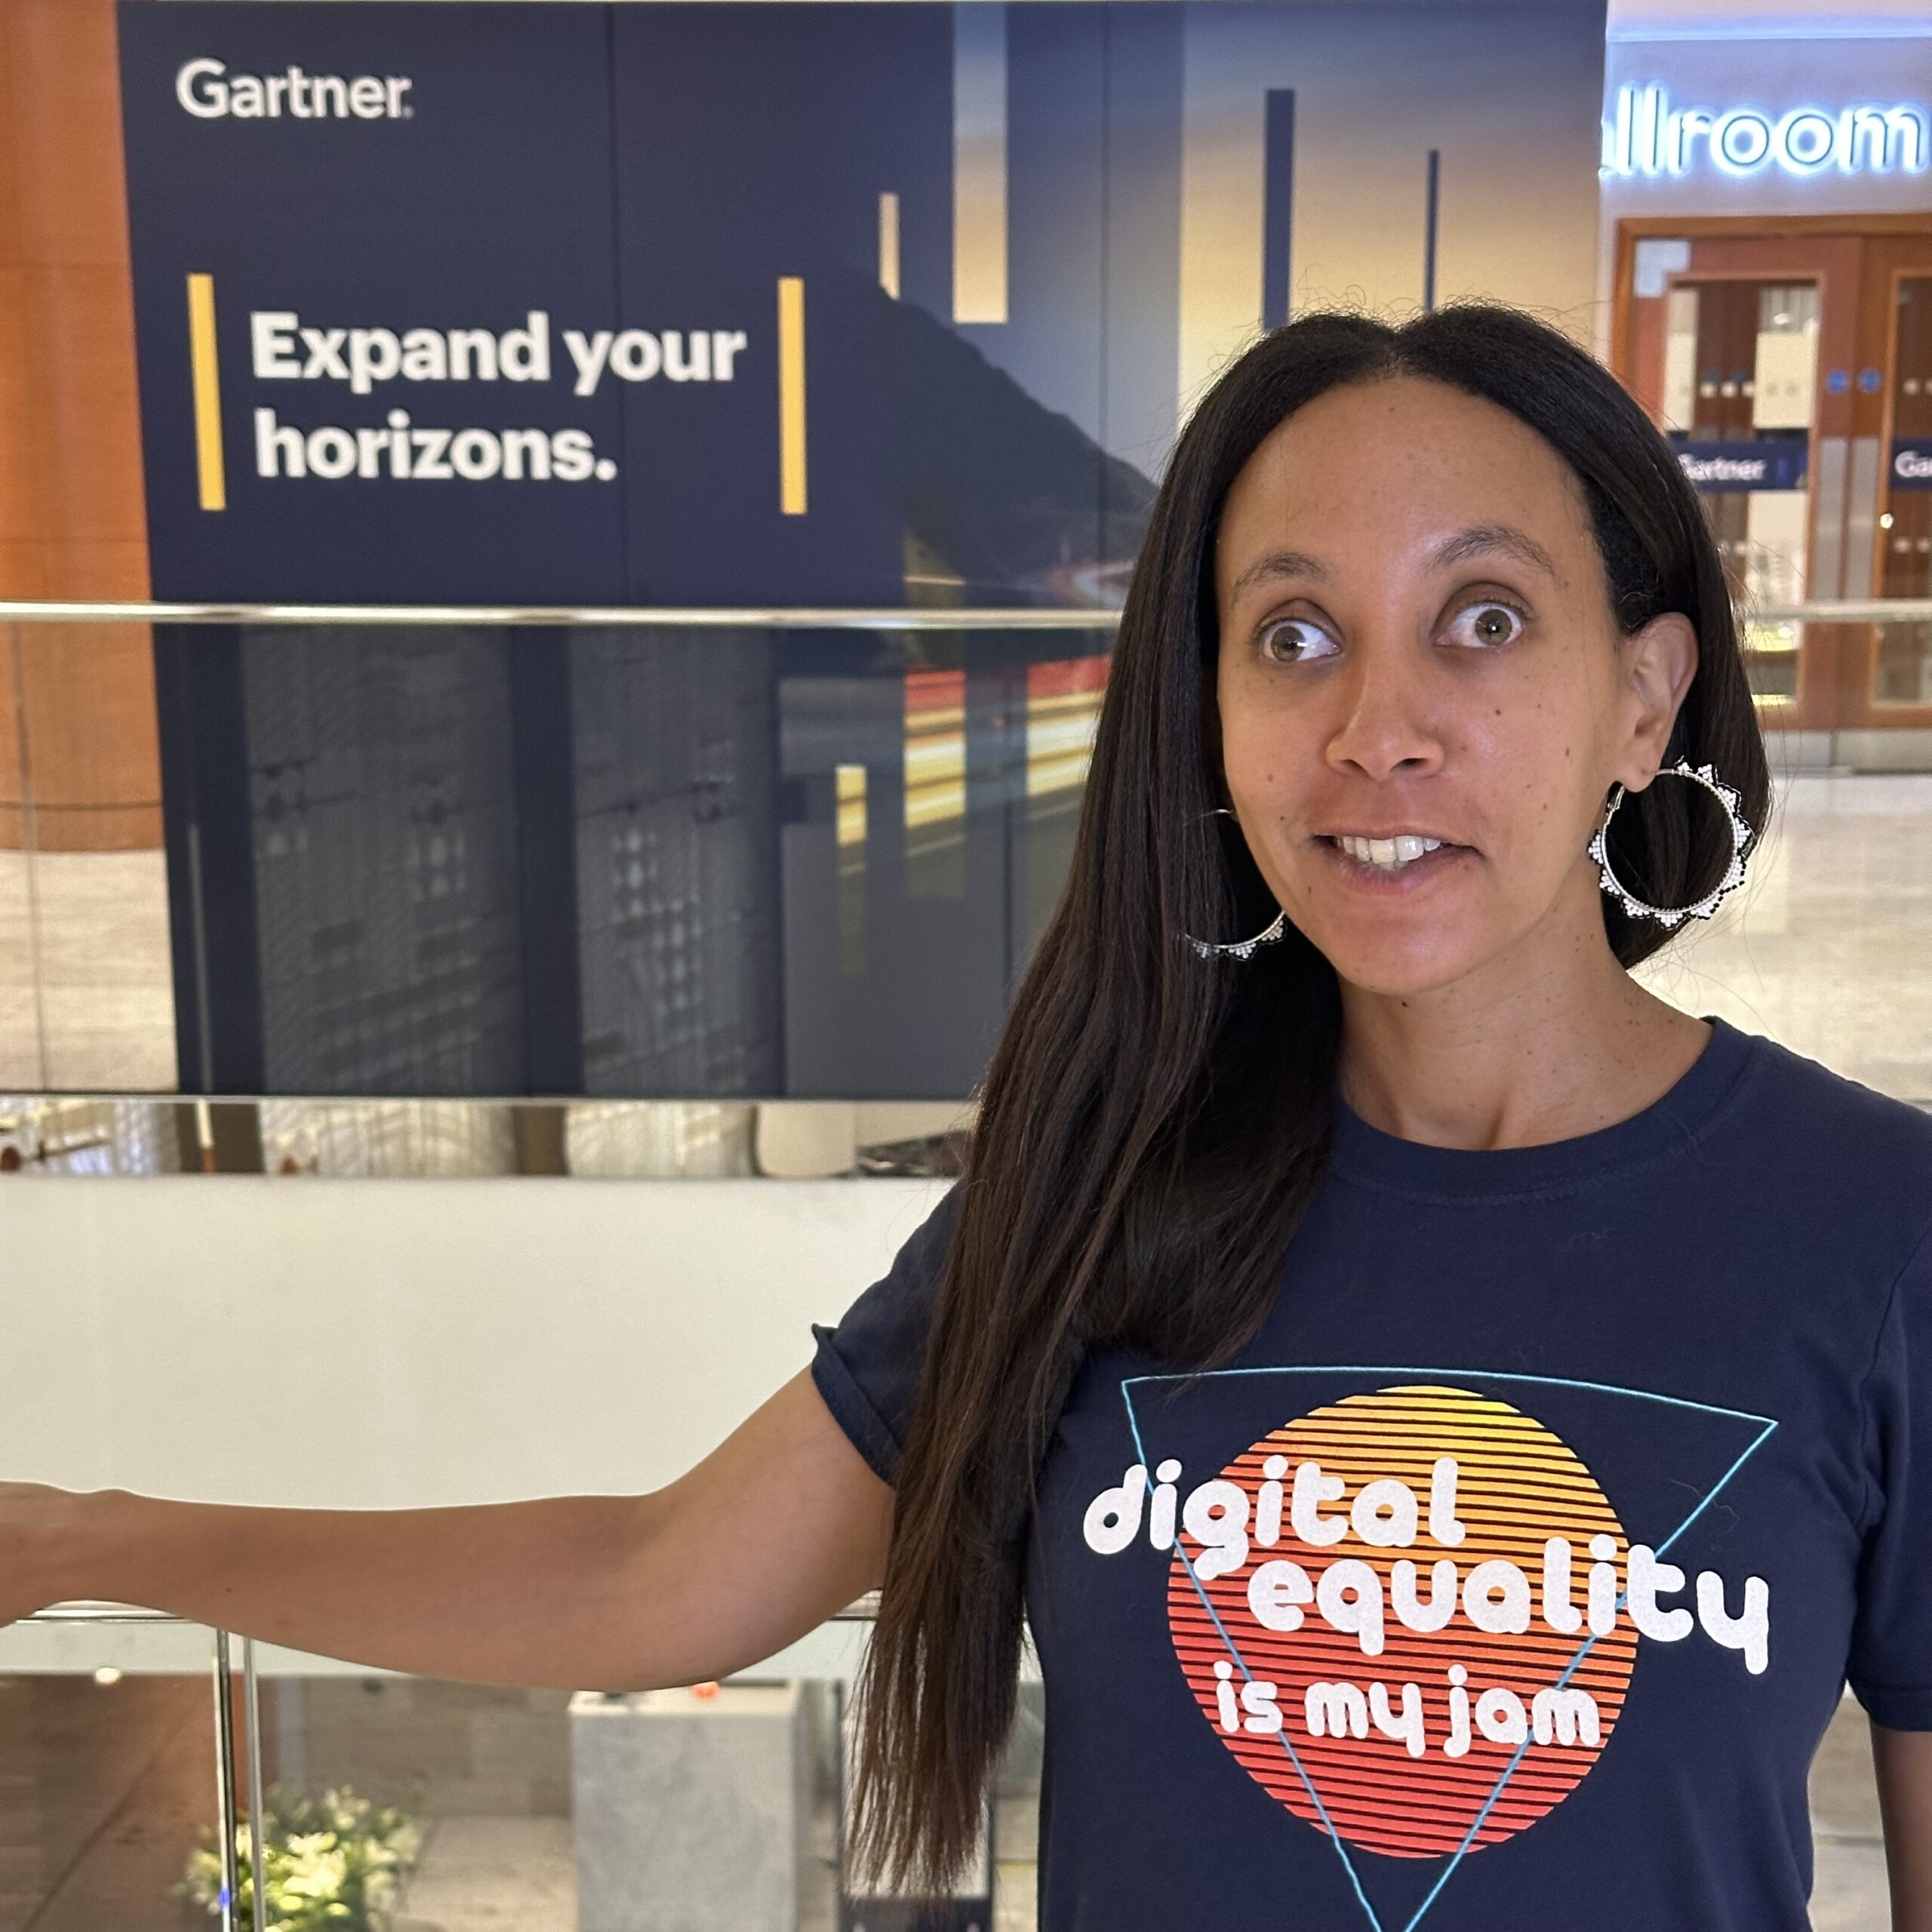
331,1864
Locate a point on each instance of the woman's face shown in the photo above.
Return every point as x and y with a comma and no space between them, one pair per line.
1423,696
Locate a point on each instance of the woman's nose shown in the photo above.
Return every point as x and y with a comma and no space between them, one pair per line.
1386,725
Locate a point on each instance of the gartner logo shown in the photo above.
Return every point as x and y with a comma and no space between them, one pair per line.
1646,135
1725,468
207,90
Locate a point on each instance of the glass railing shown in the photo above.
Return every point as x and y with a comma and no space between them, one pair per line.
131,1796
408,1802
690,855
485,891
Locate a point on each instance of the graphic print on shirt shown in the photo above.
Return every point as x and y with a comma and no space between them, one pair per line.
1411,1612
1455,1512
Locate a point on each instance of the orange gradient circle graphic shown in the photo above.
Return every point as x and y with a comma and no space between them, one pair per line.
1489,1750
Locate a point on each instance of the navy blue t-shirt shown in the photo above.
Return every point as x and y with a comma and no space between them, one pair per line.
1507,1581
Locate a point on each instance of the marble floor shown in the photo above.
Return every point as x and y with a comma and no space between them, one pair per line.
1848,1892
86,991
1828,948
494,1874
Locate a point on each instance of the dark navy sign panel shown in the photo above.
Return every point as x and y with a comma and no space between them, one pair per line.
492,303
1911,463
493,198
825,110
1727,469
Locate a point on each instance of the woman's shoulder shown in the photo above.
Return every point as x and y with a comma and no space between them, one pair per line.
1823,1146
1806,1093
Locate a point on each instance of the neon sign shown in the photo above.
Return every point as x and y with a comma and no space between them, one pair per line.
1646,136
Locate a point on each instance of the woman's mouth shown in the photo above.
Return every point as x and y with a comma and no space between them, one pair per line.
1389,854
1393,860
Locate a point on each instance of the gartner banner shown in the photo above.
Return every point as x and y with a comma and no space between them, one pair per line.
827,304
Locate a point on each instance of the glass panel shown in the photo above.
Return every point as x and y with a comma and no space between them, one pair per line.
86,985
541,1810
107,1782
463,1790
1680,358
1740,384
1904,674
462,1807
672,796
1771,662
652,863
1785,374
380,776
410,870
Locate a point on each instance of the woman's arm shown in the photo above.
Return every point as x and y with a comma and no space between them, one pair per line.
776,1530
1903,1759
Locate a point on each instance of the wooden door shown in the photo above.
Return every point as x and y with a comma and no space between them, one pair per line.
1889,511
1720,326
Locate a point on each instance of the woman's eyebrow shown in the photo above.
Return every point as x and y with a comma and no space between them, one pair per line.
1279,564
1485,540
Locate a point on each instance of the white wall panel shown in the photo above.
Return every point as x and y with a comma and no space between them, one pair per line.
399,1344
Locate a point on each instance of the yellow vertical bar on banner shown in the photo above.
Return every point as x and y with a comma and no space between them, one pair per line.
792,394
208,466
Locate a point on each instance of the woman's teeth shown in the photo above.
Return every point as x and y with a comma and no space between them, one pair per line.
1402,850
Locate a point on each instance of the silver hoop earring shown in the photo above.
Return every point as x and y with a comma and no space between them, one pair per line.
1706,907
1240,948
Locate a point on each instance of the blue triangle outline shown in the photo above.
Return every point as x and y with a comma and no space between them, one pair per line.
1767,1426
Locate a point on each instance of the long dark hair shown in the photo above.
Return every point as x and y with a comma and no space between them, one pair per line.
1154,1128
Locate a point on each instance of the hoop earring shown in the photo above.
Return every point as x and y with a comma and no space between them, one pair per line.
1240,948
1705,908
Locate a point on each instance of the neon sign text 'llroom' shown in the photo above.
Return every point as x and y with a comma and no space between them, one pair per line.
1646,135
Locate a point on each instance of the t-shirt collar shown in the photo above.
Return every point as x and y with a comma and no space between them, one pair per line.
1366,1154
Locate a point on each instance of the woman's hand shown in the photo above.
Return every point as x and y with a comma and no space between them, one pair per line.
777,1529
1903,1760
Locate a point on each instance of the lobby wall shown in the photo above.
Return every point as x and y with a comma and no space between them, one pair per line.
79,762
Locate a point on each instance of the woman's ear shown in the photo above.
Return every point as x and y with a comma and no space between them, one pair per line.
1659,663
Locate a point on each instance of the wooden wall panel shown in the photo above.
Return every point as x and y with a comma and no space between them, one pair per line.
79,702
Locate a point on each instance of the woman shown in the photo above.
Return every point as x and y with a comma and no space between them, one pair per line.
1446,1417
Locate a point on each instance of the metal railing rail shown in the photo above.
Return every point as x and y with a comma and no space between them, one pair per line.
580,616
81,1612
915,618
861,1610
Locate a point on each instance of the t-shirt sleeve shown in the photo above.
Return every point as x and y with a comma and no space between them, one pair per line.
867,1368
1891,1669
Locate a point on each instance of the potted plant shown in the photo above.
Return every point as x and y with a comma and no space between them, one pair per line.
331,1864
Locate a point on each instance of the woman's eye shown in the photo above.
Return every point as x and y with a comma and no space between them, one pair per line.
1296,641
1485,625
